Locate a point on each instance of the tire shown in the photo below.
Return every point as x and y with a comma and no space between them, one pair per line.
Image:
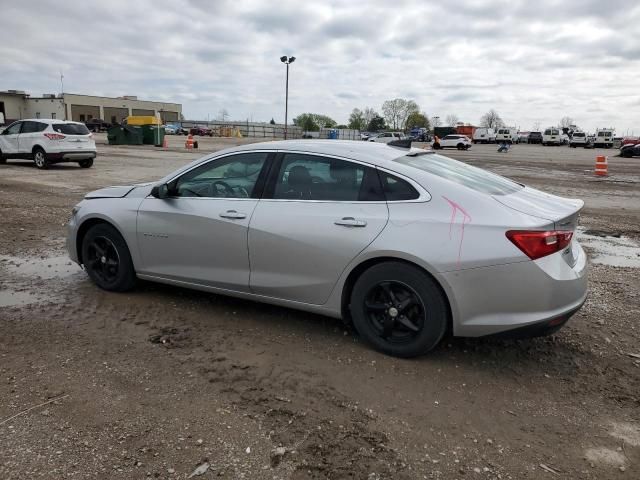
40,158
88,163
372,309
460,146
2,159
107,260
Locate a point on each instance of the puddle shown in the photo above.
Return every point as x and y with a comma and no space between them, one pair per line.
605,456
11,298
609,250
44,268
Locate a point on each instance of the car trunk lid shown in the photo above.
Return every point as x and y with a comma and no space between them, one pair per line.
563,212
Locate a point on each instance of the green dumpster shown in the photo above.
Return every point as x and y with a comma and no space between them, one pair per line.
124,135
152,135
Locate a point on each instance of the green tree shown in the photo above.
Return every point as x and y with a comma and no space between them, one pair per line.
272,122
376,124
418,120
312,122
356,119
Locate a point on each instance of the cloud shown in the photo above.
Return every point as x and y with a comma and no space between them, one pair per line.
532,62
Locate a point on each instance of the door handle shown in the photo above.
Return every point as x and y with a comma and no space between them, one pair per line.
232,214
350,222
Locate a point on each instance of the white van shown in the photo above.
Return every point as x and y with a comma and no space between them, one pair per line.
507,134
484,135
604,138
552,136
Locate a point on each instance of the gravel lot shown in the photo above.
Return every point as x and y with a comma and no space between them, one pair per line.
159,381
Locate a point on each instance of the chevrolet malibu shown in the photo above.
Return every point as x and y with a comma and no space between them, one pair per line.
406,244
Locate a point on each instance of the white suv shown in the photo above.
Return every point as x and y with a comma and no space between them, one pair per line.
461,142
387,137
48,141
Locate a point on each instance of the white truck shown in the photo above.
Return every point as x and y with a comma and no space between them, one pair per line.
484,135
507,135
604,138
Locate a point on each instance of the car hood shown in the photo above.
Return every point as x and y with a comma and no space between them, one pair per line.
562,211
117,191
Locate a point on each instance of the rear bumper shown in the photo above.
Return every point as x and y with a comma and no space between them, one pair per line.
529,296
71,156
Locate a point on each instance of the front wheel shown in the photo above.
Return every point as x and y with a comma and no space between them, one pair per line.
398,309
40,159
107,260
88,163
2,159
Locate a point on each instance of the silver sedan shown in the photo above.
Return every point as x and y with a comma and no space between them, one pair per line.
406,244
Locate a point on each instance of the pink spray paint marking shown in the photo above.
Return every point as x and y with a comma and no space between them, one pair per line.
466,218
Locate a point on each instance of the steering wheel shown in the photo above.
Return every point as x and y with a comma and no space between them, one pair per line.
228,190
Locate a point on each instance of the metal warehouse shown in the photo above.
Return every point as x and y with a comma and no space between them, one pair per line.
17,104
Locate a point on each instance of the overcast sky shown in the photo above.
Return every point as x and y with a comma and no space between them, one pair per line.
533,61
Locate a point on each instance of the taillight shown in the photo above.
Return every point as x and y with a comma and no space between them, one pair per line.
537,244
54,136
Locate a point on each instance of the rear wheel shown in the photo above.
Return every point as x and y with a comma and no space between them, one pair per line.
398,309
88,163
40,158
107,260
2,159
460,146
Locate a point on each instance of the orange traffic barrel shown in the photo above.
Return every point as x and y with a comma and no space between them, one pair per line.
601,166
189,143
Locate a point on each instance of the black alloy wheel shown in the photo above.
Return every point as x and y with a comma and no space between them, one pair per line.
395,311
107,260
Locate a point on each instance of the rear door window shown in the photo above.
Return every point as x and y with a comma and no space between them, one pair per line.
70,128
310,177
33,127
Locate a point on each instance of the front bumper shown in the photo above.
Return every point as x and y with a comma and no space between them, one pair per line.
536,294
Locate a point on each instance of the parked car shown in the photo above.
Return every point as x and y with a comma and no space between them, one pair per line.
97,125
551,136
630,141
386,137
406,244
201,131
535,137
523,137
578,139
171,129
461,142
48,141
630,150
484,135
507,135
365,136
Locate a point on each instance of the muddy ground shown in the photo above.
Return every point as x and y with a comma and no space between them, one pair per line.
159,381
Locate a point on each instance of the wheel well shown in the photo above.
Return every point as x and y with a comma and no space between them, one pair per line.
360,269
82,231
36,147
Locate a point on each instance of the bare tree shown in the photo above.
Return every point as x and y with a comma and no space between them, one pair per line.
536,126
452,120
369,113
491,119
566,122
223,115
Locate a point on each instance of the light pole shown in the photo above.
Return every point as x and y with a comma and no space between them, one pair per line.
287,61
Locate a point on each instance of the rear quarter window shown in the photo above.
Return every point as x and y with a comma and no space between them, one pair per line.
70,128
459,172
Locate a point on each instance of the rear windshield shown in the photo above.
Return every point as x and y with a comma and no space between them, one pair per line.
578,134
70,128
461,173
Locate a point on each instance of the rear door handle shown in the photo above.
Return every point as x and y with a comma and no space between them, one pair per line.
350,222
232,214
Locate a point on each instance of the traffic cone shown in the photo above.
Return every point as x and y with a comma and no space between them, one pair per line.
601,166
189,143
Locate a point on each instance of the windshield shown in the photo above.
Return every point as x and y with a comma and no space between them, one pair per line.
578,134
462,174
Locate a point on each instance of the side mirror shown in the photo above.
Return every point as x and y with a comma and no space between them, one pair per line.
160,191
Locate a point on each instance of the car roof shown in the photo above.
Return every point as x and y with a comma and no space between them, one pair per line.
368,152
46,120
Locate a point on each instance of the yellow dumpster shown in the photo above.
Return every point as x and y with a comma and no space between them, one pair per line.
143,120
